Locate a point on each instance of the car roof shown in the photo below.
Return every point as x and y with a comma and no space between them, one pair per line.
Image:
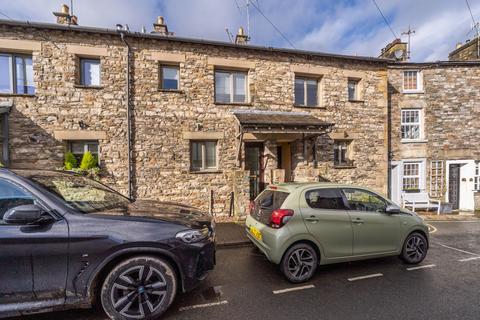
297,186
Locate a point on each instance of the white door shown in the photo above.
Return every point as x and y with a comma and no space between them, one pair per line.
395,186
467,174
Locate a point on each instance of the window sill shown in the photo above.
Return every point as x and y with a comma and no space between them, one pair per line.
81,86
17,95
344,167
213,171
248,104
414,141
413,91
309,107
171,90
356,101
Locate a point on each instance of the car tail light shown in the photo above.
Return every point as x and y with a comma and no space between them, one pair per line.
280,217
251,207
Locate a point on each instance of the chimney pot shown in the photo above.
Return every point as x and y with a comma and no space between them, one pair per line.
160,20
459,44
160,27
63,16
65,9
241,37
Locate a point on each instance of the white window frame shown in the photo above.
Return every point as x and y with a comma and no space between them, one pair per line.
231,86
421,174
476,177
357,94
305,94
204,167
437,178
420,123
343,144
82,60
171,66
419,88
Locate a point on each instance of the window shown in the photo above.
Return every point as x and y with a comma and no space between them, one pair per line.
12,196
78,148
411,124
203,155
411,176
436,178
362,200
325,199
412,81
4,138
306,92
16,74
169,77
89,72
353,94
230,87
341,153
476,185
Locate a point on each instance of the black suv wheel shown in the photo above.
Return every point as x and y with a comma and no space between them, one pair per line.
139,288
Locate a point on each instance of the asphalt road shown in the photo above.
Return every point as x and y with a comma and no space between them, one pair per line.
242,285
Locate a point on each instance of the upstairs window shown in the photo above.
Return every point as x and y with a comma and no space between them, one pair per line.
16,74
411,124
342,153
230,87
412,81
169,77
203,155
353,90
90,72
306,92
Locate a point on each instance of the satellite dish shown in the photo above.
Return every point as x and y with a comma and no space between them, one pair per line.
399,54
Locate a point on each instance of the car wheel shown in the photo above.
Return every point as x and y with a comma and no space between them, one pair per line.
299,263
414,249
139,288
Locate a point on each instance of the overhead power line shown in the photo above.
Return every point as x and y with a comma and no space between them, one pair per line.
273,25
471,14
385,19
3,14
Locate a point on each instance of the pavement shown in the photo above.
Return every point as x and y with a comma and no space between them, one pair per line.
245,285
231,234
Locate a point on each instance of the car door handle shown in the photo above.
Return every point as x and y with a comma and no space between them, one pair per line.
312,219
358,221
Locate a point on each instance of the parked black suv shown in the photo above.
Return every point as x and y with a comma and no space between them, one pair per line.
67,241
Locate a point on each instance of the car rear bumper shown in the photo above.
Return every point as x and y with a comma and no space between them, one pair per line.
272,239
196,261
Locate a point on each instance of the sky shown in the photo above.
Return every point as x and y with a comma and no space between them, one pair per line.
353,27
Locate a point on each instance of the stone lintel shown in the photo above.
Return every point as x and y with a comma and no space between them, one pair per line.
354,74
80,135
309,69
168,57
343,135
87,51
20,45
231,63
195,135
458,154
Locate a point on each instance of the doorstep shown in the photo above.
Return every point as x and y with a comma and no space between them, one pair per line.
231,234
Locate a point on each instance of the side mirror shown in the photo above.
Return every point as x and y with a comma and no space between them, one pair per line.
391,209
25,214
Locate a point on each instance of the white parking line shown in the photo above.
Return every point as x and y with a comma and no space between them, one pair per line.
469,259
421,267
206,305
366,277
431,228
310,286
459,250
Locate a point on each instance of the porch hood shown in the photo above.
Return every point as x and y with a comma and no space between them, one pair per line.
259,121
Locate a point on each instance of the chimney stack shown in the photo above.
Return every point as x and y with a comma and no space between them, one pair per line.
160,27
241,37
396,50
64,17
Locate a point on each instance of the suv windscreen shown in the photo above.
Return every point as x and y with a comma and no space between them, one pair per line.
80,193
325,199
266,202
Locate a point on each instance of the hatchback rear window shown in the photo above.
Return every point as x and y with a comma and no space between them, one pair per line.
266,202
325,199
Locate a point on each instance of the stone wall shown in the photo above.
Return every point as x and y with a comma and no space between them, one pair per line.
467,52
160,119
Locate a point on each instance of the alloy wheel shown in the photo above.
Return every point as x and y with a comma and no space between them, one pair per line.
300,264
138,291
415,248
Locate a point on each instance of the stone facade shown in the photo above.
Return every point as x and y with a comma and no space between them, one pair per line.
163,120
450,107
466,52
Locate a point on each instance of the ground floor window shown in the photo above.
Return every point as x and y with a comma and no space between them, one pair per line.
203,155
342,153
476,185
78,148
412,175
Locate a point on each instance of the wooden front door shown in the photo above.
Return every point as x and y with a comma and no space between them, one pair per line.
254,163
454,186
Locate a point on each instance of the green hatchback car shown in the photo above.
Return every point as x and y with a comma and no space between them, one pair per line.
302,225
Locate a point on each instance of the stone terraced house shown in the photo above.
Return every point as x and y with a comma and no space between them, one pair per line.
211,123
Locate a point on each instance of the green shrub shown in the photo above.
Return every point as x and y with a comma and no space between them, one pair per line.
89,161
70,161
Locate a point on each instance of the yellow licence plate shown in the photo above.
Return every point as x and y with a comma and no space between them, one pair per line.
256,233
